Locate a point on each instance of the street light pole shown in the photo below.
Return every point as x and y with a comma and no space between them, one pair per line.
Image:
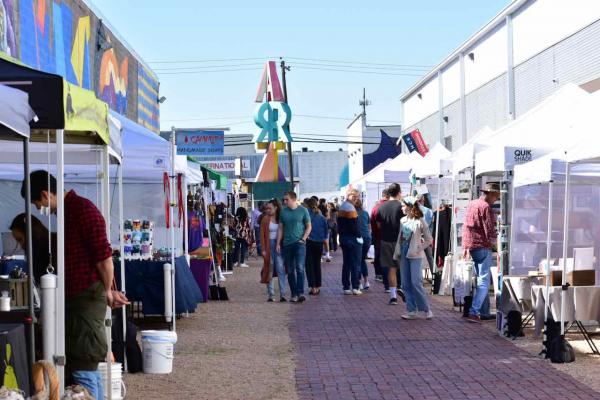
289,144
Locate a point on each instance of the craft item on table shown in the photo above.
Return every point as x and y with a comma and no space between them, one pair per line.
127,237
137,225
128,249
136,249
136,236
128,225
146,237
146,250
146,225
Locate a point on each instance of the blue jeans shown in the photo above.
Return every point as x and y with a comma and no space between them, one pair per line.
240,250
412,283
482,258
277,265
364,271
351,253
295,255
92,381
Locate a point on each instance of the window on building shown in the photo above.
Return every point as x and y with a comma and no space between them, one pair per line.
448,142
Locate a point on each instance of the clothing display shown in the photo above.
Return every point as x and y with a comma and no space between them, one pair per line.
138,239
442,240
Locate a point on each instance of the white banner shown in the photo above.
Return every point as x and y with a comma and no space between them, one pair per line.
226,165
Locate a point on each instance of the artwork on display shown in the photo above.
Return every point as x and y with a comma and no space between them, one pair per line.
65,37
138,239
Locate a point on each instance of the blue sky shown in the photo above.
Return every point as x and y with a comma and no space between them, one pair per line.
348,34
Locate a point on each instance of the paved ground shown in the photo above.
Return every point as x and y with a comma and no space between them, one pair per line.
357,347
349,347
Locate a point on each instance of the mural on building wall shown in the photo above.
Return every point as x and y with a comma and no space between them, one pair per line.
387,149
64,37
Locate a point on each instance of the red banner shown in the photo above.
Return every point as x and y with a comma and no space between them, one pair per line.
422,148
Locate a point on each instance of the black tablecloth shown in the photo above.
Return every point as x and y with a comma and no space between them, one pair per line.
144,281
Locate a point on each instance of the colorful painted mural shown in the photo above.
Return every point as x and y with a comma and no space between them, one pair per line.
65,37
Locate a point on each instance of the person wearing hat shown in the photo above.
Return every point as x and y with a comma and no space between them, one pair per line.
413,239
479,236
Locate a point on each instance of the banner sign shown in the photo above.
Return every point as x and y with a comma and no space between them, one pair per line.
226,165
414,142
200,142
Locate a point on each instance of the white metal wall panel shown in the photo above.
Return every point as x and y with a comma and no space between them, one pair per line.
452,127
575,59
487,106
417,108
429,128
542,23
451,82
489,59
312,167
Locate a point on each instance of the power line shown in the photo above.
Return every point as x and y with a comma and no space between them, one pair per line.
207,60
201,67
357,72
362,67
293,115
208,71
358,62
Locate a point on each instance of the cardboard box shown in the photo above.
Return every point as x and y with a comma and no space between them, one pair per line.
19,293
574,278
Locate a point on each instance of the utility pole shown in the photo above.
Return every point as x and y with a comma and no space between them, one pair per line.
364,103
289,145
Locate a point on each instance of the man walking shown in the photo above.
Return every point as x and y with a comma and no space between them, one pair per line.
478,240
294,228
388,219
385,196
351,243
88,280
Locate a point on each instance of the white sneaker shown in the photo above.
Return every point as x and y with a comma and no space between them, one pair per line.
360,287
429,314
347,291
222,278
237,264
356,292
327,258
244,265
410,315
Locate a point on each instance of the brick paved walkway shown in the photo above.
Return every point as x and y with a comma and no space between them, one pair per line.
357,347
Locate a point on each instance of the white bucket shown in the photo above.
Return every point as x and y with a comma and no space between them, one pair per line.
158,351
117,382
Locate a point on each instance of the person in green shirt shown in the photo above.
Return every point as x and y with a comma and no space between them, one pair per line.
294,228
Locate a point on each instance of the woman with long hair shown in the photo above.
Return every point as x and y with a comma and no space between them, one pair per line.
413,239
243,237
272,260
314,247
39,237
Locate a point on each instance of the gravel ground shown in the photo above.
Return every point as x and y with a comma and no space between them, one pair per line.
240,349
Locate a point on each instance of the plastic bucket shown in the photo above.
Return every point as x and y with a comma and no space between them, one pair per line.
158,351
116,379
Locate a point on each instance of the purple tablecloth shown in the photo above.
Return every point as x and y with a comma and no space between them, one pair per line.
201,271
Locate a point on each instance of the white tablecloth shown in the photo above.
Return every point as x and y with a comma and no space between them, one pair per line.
582,304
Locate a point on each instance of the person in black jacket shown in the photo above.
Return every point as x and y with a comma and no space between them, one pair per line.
351,243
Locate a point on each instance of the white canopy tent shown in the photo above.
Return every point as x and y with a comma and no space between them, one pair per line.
464,156
535,133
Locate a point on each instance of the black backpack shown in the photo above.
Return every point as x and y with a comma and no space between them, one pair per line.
561,351
130,345
513,324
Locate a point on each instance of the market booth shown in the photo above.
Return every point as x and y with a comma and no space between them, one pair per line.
15,115
554,234
66,114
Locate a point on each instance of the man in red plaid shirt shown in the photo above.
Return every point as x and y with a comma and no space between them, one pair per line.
89,275
479,235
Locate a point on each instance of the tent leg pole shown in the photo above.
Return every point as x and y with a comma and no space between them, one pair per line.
122,260
31,343
565,250
172,227
59,358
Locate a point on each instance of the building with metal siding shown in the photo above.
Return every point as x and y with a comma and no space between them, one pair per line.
515,61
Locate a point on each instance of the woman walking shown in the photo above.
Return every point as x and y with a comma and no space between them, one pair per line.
314,247
243,237
364,226
413,239
272,260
